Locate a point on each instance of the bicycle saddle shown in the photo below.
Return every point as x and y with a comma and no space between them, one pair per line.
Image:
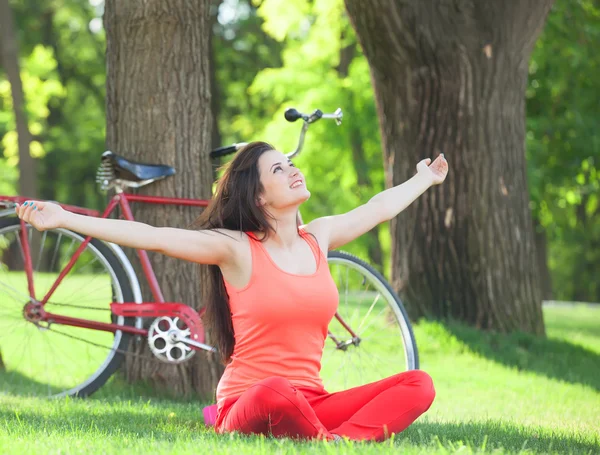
134,171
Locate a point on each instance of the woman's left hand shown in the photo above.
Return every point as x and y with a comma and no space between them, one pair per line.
436,172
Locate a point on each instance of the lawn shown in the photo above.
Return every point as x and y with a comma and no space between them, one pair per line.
495,394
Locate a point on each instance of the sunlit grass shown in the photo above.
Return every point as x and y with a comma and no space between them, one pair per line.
495,394
50,358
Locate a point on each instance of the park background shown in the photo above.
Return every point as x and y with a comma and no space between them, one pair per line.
509,94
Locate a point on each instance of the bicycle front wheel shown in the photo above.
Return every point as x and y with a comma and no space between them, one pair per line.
371,337
46,359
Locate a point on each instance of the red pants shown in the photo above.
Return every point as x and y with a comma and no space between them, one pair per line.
373,411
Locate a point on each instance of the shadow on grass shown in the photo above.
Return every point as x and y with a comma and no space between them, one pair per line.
492,435
17,384
554,358
115,390
485,436
162,423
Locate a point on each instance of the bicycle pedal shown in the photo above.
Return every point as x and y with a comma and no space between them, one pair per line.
155,310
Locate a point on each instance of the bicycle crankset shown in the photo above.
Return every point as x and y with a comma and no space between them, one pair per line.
166,337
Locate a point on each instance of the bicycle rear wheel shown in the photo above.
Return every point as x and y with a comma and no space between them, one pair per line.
52,359
384,343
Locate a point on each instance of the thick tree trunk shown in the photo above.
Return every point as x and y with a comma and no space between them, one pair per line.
215,101
10,61
450,77
158,111
541,248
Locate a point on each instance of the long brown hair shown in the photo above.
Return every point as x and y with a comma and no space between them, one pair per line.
234,207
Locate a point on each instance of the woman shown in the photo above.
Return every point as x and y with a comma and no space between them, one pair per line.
273,297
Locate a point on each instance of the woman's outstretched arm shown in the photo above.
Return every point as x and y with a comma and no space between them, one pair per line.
338,230
205,247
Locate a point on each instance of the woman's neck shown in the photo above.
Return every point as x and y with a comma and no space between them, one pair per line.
285,230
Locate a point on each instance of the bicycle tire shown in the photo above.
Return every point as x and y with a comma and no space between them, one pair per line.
115,357
382,287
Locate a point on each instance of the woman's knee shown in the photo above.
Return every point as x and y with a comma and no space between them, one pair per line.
421,385
424,383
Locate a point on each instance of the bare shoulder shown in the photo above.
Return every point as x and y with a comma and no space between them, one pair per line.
227,235
237,266
225,238
225,247
319,228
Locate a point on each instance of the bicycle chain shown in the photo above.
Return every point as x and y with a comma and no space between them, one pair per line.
120,351
70,305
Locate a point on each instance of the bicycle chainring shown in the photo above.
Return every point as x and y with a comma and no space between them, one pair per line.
163,338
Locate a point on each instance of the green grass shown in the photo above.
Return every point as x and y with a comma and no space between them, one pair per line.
495,394
32,355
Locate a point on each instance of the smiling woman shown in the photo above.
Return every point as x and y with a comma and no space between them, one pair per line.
273,297
279,175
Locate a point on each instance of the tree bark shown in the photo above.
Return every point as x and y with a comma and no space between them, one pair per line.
541,248
10,61
451,77
158,111
216,95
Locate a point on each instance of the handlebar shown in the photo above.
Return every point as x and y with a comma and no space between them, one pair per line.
291,115
222,151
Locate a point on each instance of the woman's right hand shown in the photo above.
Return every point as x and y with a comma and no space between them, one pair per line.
42,215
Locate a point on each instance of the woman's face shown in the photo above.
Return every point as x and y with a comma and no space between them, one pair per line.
283,184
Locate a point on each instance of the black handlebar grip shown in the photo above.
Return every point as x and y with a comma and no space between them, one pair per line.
291,115
222,151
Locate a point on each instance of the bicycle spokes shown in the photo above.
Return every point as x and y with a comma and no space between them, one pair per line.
366,338
41,357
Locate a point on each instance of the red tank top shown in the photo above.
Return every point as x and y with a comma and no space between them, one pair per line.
280,323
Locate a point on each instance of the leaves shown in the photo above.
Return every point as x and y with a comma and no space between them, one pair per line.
63,73
273,54
563,145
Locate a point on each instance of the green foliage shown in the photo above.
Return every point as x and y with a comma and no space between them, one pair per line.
10,177
38,77
62,68
563,146
241,50
274,54
322,67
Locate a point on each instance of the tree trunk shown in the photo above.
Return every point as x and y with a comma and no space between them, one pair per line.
450,77
10,61
158,111
216,98
541,248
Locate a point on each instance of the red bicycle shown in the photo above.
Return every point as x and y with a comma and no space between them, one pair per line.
70,304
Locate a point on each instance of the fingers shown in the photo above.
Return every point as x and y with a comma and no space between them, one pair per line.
24,211
27,209
440,161
426,162
20,209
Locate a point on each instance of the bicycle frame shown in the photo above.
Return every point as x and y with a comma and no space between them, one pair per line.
146,309
35,309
